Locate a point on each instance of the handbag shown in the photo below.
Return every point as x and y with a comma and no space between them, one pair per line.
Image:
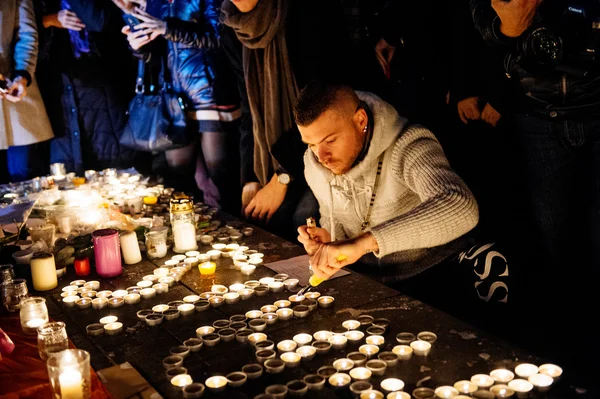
156,122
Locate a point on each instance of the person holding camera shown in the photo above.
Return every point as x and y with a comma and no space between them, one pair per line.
24,126
549,49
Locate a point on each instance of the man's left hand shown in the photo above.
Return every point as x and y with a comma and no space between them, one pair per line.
490,115
150,25
266,202
17,90
331,257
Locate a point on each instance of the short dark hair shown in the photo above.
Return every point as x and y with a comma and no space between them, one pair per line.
315,98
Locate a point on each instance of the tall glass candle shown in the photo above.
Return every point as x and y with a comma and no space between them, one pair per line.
107,252
183,225
82,266
43,271
130,248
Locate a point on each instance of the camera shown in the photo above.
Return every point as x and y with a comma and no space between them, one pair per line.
564,37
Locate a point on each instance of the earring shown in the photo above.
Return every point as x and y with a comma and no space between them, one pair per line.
365,129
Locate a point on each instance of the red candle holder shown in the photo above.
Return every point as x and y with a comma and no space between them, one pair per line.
82,266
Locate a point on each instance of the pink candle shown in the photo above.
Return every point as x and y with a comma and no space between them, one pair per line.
107,252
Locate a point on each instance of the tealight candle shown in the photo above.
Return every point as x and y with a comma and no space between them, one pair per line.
204,330
466,387
284,313
343,364
167,280
502,375
207,268
179,258
246,293
171,263
552,370
405,395
266,281
501,391
360,373
236,287
161,288
148,293
404,352
108,319
151,277
307,352
93,285
191,298
143,284
160,308
291,359
520,386
99,303
446,392
525,370
541,381
70,288
338,341
392,384
325,301
231,298
268,309
131,299
375,340
104,294
421,348
186,309
303,339
247,269
287,345
482,380
339,380
256,337
70,300
405,338
351,324
113,328
254,314
161,272
368,350
275,286
322,335
355,336
216,383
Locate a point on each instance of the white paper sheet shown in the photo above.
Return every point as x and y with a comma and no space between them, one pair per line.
298,268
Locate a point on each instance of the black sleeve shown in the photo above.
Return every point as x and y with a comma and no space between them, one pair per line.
232,47
465,76
487,23
97,15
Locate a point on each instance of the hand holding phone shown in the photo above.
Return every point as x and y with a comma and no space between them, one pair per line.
131,21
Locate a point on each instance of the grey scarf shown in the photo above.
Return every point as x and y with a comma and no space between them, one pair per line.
270,83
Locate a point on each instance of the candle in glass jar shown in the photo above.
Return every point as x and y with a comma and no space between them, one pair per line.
43,271
71,384
82,266
130,248
184,236
107,252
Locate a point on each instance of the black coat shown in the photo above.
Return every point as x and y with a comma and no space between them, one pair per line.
87,97
319,47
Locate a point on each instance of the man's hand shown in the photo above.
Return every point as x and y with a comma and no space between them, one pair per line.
249,191
515,15
468,109
331,257
266,202
311,237
150,25
490,115
64,19
17,90
138,38
384,52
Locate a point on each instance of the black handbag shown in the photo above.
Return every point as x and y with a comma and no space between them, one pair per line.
156,122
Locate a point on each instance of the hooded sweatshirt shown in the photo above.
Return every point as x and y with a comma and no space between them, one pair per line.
422,208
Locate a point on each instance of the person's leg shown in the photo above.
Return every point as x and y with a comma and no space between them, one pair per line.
181,168
27,161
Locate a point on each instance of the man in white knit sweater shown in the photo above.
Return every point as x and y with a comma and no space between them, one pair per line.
398,224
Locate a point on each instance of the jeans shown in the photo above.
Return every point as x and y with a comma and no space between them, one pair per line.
25,162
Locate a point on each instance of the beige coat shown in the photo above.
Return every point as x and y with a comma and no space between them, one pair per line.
25,122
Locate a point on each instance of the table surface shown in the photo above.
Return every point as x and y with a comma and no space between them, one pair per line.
460,351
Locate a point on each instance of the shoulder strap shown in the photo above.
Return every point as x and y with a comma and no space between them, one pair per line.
139,82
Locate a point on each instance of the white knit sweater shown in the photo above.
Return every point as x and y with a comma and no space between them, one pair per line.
421,206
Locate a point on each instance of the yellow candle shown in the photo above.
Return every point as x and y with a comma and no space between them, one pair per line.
207,268
43,272
71,384
150,200
78,181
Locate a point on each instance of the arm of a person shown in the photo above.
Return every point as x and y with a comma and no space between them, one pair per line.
448,209
487,23
25,42
97,15
200,34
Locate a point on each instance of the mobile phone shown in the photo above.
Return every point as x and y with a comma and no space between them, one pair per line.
131,21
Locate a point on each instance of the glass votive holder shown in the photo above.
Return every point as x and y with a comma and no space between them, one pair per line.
33,314
69,373
51,338
7,272
13,292
44,232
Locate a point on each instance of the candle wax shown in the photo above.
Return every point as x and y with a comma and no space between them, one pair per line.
71,384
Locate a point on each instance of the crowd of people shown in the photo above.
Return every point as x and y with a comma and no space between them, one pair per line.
439,149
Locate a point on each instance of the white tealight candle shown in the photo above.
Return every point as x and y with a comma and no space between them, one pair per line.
338,341
181,380
404,352
287,345
502,375
446,392
466,387
501,391
540,380
219,289
351,324
520,386
113,328
360,373
482,380
303,339
150,277
191,298
343,364
339,380
71,384
161,271
375,340
421,348
248,269
142,284
35,323
392,384
179,258
525,370
171,263
108,319
355,335
322,335
552,370
216,382
368,350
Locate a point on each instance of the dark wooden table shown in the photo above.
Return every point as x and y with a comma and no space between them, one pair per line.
460,351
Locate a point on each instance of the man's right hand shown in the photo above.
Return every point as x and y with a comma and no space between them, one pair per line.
384,52
515,15
468,109
311,237
248,193
63,19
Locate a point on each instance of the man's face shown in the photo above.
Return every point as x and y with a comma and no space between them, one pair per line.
336,138
245,5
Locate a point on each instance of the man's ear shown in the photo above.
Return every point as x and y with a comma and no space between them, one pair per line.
360,118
